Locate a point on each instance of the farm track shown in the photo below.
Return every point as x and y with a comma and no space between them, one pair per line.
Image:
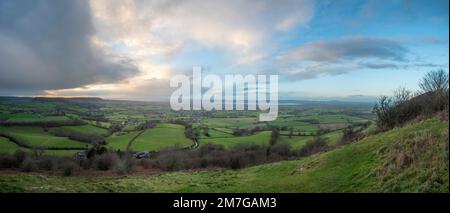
223,131
133,139
195,144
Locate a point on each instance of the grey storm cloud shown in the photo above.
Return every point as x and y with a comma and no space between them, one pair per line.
388,65
349,48
46,44
340,56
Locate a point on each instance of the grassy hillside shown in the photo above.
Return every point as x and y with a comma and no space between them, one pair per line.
413,158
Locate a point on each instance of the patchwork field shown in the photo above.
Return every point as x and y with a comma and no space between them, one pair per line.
231,122
297,142
302,122
365,166
25,117
120,140
36,137
162,136
7,146
227,142
216,133
84,129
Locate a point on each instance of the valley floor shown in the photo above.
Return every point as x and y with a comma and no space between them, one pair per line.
413,158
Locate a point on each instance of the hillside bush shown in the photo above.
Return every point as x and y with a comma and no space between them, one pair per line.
29,165
405,106
68,168
125,165
318,144
105,161
8,161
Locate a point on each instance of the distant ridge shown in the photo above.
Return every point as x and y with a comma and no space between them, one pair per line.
98,100
67,98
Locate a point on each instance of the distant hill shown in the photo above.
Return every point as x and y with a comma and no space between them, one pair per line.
74,99
101,100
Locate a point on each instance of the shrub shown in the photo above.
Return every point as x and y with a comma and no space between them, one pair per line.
210,147
404,107
281,149
243,147
145,163
105,161
125,165
68,168
215,159
20,156
47,163
316,145
349,135
29,165
84,163
8,161
274,136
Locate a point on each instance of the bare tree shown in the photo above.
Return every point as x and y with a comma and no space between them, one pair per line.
435,81
435,84
385,113
402,95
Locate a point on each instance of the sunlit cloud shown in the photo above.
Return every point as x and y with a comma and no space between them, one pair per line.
151,33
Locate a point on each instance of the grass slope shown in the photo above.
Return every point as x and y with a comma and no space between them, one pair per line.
409,159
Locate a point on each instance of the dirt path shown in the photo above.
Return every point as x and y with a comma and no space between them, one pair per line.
133,139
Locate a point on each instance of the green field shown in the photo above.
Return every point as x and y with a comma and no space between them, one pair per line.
7,146
221,124
364,166
231,122
84,129
25,117
214,133
162,136
257,138
295,124
120,140
333,118
298,141
37,137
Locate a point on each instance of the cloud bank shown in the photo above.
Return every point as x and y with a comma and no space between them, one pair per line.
47,45
346,54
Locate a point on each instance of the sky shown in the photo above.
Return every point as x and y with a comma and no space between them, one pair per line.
353,50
